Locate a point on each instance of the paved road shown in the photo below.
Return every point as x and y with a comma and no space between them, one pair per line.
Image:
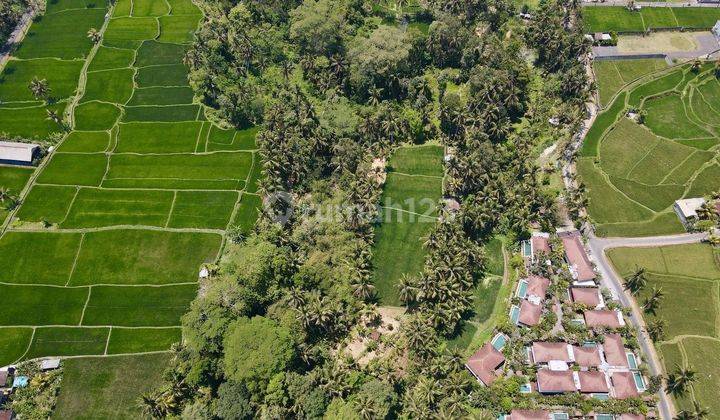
15,37
612,281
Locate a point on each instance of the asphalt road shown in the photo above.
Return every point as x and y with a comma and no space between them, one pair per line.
612,281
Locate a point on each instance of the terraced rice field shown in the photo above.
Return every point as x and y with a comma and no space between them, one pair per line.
635,172
102,256
409,212
689,275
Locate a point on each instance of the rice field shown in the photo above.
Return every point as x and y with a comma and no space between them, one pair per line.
103,254
634,172
689,275
408,214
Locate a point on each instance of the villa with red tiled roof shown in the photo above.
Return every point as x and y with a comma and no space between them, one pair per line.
604,318
528,415
537,286
593,382
614,350
485,363
624,385
577,258
544,352
555,381
530,313
589,296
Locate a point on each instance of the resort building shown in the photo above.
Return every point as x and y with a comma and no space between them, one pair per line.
604,318
13,153
545,352
530,313
485,364
614,352
556,381
589,296
536,246
686,210
623,384
593,382
576,257
587,356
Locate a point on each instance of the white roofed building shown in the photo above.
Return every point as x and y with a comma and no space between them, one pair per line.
14,153
687,210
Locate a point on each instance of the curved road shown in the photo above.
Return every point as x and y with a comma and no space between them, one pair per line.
612,281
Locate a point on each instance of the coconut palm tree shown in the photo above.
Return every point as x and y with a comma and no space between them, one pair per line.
652,302
656,329
636,281
53,116
94,35
678,381
363,289
4,194
699,412
408,290
39,88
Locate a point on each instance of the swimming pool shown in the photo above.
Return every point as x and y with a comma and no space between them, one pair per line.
604,417
499,341
514,314
632,361
639,381
522,289
525,388
527,249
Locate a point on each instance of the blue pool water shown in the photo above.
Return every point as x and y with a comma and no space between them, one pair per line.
522,289
514,314
499,341
632,361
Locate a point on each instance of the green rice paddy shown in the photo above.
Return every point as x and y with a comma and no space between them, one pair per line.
634,172
408,214
689,275
103,254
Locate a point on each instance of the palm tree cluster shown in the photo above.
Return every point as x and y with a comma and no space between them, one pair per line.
40,88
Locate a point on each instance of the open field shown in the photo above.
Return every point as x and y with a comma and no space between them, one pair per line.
689,275
102,256
94,387
634,172
412,190
659,41
612,75
620,19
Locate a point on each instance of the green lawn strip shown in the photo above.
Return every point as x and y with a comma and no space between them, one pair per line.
178,29
42,305
153,53
37,257
47,203
61,35
167,113
144,8
130,32
108,387
74,169
114,86
30,123
111,58
163,75
202,209
138,306
494,258
162,96
96,116
61,76
484,298
658,17
666,117
14,178
13,344
696,17
157,137
603,121
140,340
209,172
85,142
143,257
67,341
247,212
97,208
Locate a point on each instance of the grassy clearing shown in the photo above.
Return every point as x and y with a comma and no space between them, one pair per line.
689,276
13,343
402,232
140,340
104,388
138,306
68,341
143,257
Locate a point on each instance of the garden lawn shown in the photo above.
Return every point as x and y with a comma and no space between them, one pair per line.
103,388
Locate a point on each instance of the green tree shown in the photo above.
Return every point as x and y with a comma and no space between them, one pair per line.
636,281
317,26
379,60
233,402
255,350
40,88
